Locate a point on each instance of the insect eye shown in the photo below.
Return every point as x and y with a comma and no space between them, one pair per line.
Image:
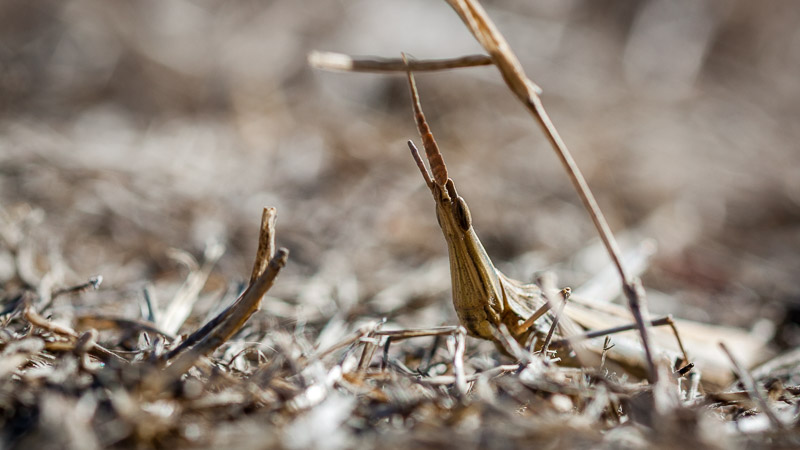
461,211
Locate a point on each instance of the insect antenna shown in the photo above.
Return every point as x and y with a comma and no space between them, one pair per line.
428,142
420,164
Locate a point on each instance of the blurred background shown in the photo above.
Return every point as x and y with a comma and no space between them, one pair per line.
131,128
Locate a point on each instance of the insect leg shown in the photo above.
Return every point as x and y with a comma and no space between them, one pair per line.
667,320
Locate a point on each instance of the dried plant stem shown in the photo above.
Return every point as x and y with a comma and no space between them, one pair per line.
346,63
504,340
264,253
370,345
151,302
418,332
266,243
752,388
608,331
532,319
475,18
671,323
247,304
694,385
450,379
181,306
38,321
99,321
634,291
456,344
564,297
229,322
362,332
460,337
93,284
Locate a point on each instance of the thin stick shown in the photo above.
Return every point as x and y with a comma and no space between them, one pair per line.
362,332
181,306
385,358
241,312
694,384
151,301
533,318
636,302
418,332
266,243
99,321
37,320
607,346
249,304
564,296
608,331
366,355
487,374
486,33
425,364
346,63
93,284
672,325
264,253
752,388
458,361
511,346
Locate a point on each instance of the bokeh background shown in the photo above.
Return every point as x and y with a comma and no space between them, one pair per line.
128,129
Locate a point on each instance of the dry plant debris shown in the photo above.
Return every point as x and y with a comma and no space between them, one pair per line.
172,378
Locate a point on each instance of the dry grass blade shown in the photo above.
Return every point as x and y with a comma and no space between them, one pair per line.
247,304
266,243
459,348
96,349
264,254
99,322
752,388
362,332
397,335
370,345
347,63
609,331
558,314
93,283
220,329
181,306
484,30
487,34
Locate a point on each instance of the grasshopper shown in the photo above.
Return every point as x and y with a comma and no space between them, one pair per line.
484,298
